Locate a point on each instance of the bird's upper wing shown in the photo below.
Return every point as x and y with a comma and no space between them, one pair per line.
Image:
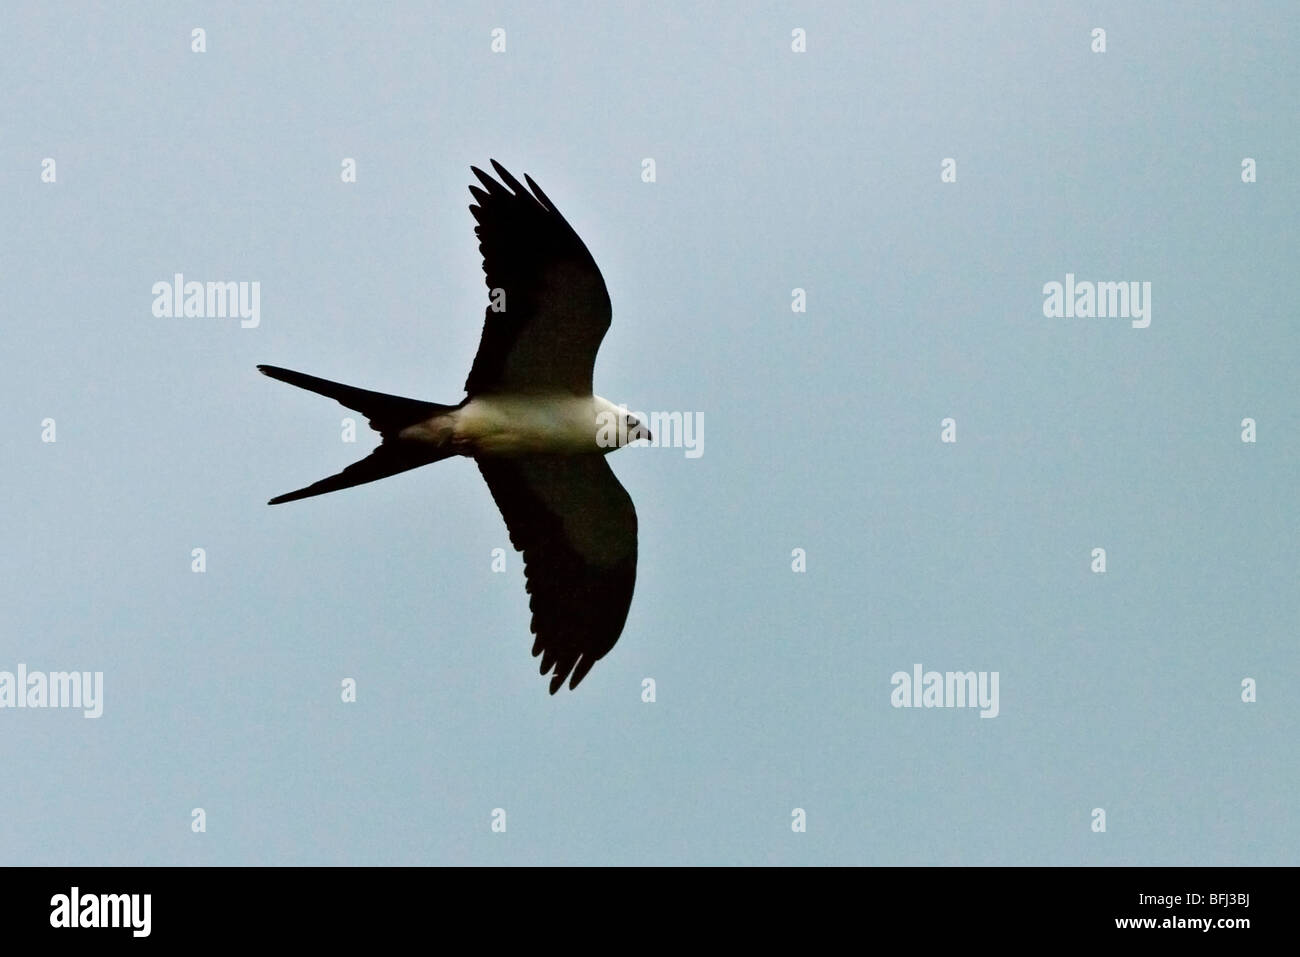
556,307
576,527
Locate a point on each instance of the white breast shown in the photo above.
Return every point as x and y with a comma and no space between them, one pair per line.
523,424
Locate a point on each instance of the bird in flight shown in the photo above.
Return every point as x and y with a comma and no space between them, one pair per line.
531,423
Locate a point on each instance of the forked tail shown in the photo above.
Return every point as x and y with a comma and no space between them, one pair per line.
387,414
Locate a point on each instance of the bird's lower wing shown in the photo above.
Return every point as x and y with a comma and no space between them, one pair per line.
576,527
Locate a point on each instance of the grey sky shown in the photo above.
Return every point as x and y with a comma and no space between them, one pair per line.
775,170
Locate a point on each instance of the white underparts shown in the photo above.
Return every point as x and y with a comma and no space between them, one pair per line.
519,425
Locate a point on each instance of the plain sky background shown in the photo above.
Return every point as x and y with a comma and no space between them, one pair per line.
776,170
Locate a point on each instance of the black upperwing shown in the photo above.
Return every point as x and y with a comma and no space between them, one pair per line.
556,306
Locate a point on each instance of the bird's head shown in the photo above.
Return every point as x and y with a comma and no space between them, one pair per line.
617,427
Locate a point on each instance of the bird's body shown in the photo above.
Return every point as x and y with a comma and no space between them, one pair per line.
512,425
531,422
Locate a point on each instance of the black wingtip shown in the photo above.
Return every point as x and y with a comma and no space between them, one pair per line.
580,671
508,179
542,197
491,185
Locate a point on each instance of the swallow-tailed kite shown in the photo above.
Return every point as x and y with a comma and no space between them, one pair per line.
530,422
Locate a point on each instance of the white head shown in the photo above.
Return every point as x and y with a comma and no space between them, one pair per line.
616,426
